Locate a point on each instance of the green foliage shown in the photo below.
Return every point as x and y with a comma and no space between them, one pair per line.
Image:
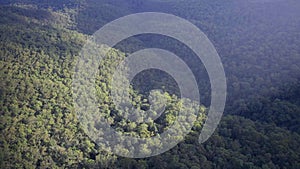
38,119
259,48
38,123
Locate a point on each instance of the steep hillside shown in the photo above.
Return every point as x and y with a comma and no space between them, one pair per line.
258,44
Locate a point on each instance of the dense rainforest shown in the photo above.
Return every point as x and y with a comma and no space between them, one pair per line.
259,45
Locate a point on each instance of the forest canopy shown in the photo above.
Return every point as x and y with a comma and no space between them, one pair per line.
258,44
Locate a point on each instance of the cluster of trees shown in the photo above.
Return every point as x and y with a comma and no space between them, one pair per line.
38,123
238,143
39,126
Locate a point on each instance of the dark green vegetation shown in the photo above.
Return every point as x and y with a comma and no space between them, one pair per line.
258,44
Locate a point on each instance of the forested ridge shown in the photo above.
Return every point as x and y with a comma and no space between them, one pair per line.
40,42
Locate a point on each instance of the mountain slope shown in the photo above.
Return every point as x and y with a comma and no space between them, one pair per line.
39,46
